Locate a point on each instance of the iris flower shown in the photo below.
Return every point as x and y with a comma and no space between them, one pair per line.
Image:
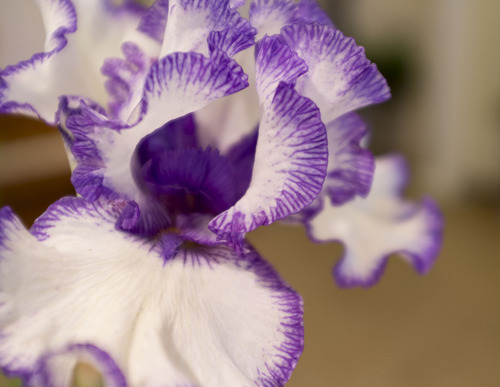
187,126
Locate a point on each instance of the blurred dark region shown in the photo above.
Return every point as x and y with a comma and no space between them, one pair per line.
29,197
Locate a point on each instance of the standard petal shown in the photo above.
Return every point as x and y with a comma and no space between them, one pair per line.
191,23
340,77
34,86
204,317
372,229
126,77
350,166
176,85
275,63
269,16
289,169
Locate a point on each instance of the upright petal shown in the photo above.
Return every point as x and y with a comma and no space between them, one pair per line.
340,78
269,16
372,229
289,169
175,86
77,287
34,86
192,22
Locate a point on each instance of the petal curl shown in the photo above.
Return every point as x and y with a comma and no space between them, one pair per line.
371,229
175,86
193,25
289,169
350,166
34,86
340,78
269,16
203,317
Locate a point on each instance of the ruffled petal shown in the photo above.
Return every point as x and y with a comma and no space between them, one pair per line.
126,77
194,25
372,229
34,86
340,78
203,317
350,166
269,16
289,169
275,63
153,23
175,86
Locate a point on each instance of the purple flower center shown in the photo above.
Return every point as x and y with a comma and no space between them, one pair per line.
178,178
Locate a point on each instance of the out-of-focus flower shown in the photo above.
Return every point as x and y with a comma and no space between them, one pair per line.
183,141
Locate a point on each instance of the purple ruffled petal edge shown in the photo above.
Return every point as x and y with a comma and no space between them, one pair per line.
58,40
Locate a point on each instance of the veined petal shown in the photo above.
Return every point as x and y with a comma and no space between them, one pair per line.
269,16
340,78
126,80
350,166
153,23
191,22
289,169
175,86
371,229
275,63
203,317
34,86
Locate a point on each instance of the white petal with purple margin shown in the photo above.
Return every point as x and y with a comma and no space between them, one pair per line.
33,86
204,317
175,86
191,23
269,16
289,169
340,78
350,166
382,224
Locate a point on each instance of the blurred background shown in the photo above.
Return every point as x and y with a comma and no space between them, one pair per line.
442,61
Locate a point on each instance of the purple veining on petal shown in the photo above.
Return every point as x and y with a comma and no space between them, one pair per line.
289,171
54,44
309,11
278,370
269,16
340,77
214,20
154,21
213,78
275,62
80,124
110,371
232,41
70,207
7,220
126,77
167,245
350,166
